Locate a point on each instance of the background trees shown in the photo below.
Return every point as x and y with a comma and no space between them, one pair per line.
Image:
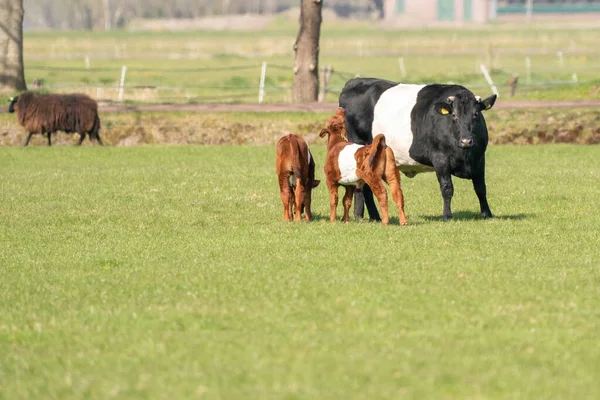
115,14
306,49
12,77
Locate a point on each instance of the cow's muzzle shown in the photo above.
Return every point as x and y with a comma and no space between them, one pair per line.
465,143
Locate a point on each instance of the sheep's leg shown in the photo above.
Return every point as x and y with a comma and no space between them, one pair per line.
94,135
28,138
81,137
347,201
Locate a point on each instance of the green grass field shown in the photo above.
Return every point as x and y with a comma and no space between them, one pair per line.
165,272
212,66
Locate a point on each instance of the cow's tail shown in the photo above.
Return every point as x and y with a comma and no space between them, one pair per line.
378,149
296,157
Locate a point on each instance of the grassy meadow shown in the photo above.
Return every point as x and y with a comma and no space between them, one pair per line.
225,66
165,272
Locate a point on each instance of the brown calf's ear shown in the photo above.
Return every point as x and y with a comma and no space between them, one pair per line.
316,183
443,108
488,103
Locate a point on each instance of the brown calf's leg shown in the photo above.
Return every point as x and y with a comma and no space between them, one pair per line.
381,194
49,139
299,197
307,201
398,197
292,203
285,193
333,200
347,201
392,177
81,137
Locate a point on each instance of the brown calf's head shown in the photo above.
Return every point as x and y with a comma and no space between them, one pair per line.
336,125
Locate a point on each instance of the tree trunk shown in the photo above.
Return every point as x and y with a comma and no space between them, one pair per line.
12,76
306,61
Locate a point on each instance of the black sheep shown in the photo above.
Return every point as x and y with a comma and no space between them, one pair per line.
49,113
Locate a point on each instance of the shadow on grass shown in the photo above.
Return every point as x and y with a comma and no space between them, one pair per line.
366,220
470,215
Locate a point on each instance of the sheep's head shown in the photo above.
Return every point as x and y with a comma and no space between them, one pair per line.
13,102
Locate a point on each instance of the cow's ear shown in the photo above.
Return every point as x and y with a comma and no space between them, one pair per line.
443,108
316,183
488,103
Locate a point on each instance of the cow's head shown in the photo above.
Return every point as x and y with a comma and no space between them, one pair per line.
463,111
12,102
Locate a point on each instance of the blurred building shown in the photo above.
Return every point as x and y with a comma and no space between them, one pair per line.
427,11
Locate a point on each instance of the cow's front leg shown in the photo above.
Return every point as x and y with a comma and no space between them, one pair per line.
370,203
359,204
447,189
480,190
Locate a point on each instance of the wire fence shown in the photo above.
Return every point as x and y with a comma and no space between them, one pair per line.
362,49
122,90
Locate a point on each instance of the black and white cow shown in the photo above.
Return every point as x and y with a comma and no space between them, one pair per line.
429,127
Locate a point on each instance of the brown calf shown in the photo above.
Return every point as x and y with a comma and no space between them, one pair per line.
296,175
352,165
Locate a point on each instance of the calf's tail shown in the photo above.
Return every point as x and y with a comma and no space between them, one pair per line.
378,147
296,157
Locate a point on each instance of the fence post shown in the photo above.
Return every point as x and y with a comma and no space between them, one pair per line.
513,84
261,89
488,78
528,68
402,66
561,59
87,62
529,10
122,84
326,74
359,47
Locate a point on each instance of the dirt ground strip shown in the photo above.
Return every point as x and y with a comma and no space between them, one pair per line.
328,107
512,122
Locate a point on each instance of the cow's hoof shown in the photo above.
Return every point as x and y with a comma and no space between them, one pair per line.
446,218
487,214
